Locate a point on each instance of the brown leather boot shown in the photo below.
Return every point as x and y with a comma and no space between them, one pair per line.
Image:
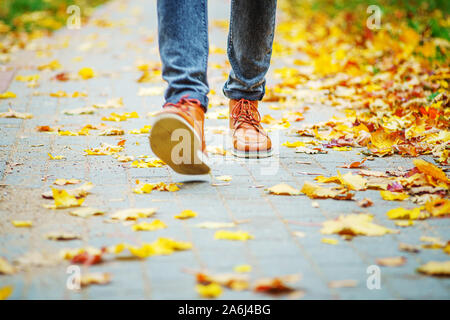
177,136
249,138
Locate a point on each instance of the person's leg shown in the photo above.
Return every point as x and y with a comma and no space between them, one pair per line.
177,132
183,47
250,38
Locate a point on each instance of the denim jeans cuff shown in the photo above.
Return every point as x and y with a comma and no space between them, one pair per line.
237,95
191,95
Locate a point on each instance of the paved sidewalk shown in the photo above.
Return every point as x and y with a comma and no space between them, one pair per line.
276,250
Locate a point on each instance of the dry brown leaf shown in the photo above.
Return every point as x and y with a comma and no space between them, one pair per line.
391,261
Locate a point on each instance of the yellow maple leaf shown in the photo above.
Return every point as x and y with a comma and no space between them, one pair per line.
22,223
53,65
55,157
354,225
212,290
330,241
7,95
143,130
5,292
393,196
186,214
86,73
242,268
352,181
162,246
121,117
294,144
64,200
402,213
149,226
232,235
150,163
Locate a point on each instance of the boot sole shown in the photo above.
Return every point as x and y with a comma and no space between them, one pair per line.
162,145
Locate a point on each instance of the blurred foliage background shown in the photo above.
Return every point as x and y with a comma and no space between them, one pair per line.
29,15
428,17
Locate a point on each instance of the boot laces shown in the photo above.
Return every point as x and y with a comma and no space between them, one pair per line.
244,111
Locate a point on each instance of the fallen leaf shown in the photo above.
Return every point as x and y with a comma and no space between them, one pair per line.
224,178
354,225
391,261
408,247
393,196
22,224
243,268
232,235
114,103
185,214
56,235
353,165
5,292
55,157
277,285
133,214
212,290
14,114
149,226
283,189
79,111
317,192
162,246
86,73
404,223
64,200
438,207
431,170
149,163
112,132
88,279
365,203
347,283
104,149
215,225
330,241
294,144
63,182
86,212
436,268
7,95
402,213
6,267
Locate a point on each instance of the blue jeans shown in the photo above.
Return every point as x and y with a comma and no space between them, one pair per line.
184,48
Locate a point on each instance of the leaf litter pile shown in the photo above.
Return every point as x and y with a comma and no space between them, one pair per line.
390,90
